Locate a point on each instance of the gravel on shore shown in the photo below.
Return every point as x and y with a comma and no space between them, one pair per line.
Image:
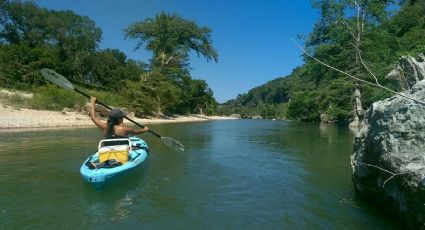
11,118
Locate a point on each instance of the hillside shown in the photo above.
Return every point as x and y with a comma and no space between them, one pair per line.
313,92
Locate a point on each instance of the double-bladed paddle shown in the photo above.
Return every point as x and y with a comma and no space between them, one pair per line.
61,81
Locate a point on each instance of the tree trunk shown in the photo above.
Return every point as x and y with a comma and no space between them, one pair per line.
357,93
357,108
158,106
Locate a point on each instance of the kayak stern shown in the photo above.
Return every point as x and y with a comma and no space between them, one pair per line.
100,177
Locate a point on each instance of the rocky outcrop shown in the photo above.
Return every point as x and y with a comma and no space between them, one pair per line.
326,118
408,71
388,163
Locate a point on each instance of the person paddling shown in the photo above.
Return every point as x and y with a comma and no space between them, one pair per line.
114,127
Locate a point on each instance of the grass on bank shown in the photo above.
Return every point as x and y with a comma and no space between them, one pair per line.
56,99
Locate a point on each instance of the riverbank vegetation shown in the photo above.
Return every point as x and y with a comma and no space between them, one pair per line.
32,38
379,32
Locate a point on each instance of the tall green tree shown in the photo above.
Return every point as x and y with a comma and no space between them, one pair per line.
312,91
200,98
109,69
170,38
341,31
75,37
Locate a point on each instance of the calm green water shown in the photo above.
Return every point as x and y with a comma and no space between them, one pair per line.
234,175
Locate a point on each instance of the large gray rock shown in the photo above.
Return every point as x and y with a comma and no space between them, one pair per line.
408,71
388,163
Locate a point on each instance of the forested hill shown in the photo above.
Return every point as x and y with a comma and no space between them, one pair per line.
32,38
383,32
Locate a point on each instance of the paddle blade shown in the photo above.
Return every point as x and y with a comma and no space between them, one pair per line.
57,79
170,142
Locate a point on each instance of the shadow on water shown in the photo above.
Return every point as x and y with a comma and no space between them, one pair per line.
233,174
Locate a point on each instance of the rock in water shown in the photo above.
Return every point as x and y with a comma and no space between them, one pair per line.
388,163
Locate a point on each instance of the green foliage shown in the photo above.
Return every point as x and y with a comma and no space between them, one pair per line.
20,64
341,116
171,38
27,25
110,68
112,99
312,90
408,27
55,98
168,87
139,98
303,106
372,94
32,38
156,94
199,97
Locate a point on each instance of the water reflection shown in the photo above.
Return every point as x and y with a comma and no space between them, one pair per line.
327,131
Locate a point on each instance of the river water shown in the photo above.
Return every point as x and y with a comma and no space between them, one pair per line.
241,174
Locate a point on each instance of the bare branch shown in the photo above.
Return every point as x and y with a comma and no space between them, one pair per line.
368,70
377,168
358,21
349,29
358,79
389,178
169,59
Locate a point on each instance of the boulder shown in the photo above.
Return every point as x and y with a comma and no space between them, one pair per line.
408,71
388,163
235,115
326,118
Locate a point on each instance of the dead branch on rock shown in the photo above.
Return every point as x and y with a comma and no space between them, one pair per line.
389,172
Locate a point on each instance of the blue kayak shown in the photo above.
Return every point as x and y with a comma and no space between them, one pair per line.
114,158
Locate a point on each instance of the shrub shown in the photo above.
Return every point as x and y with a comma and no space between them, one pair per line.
15,100
55,98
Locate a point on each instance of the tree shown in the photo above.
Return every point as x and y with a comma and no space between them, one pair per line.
22,23
75,36
109,68
170,38
201,97
343,24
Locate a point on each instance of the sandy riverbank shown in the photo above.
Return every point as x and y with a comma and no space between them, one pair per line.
11,118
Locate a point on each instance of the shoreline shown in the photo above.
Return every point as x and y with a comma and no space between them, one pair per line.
12,119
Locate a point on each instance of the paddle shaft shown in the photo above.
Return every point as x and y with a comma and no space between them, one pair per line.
106,106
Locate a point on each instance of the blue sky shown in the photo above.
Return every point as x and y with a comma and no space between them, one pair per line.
252,37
